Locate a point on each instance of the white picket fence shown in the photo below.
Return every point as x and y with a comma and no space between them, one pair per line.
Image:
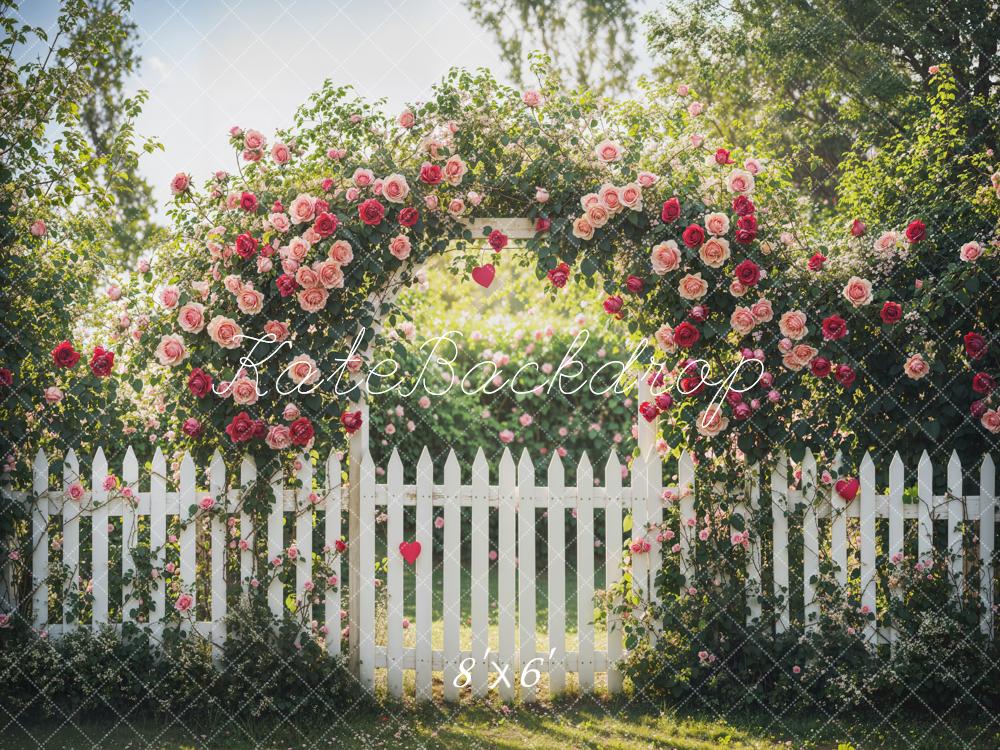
379,644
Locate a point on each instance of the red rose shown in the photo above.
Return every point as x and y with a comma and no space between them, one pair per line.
191,427
742,411
199,382
978,408
671,210
613,305
743,206
834,328
691,386
430,174
648,411
634,284
698,313
101,362
542,225
820,367
497,240
892,312
409,216
6,377
325,224
916,231
747,273
746,229
301,431
371,212
722,156
246,245
320,206
686,335
983,383
858,228
352,421
241,429
693,236
340,545
286,285
816,262
559,275
248,202
664,401
65,355
845,375
975,345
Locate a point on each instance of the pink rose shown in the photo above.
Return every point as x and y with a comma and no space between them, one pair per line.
793,325
631,196
363,177
171,350
329,274
341,252
399,246
646,179
250,301
280,222
277,329
406,119
114,292
456,206
740,181
532,98
184,603
762,311
454,169
431,202
253,140
915,367
742,320
290,413
608,151
665,257
858,291
717,224
302,209
506,436
395,188
711,421
191,317
38,228
991,420
169,295
307,278
225,332
541,195
180,183
665,338
692,286
278,437
53,394
243,391
582,228
280,153
303,369
971,251
714,252
313,299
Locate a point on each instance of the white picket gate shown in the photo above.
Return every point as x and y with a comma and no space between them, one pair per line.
377,639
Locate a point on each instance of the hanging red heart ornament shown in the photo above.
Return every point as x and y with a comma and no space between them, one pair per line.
848,488
484,275
410,551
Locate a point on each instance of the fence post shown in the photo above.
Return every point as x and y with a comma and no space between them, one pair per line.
357,450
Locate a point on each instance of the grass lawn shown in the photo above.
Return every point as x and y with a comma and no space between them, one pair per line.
575,723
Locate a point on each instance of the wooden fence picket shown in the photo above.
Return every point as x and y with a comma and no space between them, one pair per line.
99,539
452,564
779,515
331,535
71,512
248,535
188,498
424,578
897,479
394,575
925,507
304,534
987,524
687,531
527,644
480,589
506,581
612,565
810,541
585,573
130,530
276,546
557,576
217,534
754,559
838,526
158,534
956,521
868,537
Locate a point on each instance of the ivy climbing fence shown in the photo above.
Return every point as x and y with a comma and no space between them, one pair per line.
470,545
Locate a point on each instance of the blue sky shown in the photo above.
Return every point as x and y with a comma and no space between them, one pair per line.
210,65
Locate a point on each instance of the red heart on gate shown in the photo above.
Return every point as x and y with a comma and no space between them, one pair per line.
847,488
410,551
483,275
